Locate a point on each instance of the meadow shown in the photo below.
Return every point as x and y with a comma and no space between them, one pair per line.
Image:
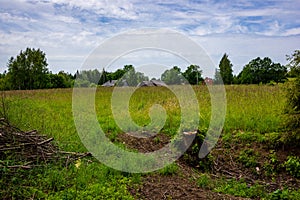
250,108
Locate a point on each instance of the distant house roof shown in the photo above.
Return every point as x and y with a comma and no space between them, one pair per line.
110,83
159,83
145,83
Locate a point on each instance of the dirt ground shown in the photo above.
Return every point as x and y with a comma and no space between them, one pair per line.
181,185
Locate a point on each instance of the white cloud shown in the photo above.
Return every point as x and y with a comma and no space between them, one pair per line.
69,30
292,31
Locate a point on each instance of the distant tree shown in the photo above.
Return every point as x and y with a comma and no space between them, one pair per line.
56,81
193,74
172,76
262,71
118,74
60,80
91,76
218,77
28,70
132,77
103,77
294,63
128,68
225,69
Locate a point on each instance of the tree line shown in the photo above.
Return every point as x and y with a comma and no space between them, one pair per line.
29,70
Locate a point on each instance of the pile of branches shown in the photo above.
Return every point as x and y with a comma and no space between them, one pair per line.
25,150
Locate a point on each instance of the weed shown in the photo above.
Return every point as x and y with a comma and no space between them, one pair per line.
292,165
169,169
241,189
204,181
248,157
271,166
284,194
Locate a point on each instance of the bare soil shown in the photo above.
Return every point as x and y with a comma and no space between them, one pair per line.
181,185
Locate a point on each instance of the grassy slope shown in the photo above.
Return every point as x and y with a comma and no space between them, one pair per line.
250,108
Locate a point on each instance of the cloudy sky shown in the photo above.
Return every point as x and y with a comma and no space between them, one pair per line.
69,31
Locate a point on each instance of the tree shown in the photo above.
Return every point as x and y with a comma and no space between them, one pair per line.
262,71
132,77
172,76
294,63
225,69
28,70
193,74
218,77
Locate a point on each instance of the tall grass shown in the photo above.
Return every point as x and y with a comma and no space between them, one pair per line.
249,108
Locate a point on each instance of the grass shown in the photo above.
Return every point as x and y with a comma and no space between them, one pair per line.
249,108
254,110
240,188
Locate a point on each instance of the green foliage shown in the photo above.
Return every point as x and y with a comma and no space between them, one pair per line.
60,80
132,77
204,181
248,157
169,169
241,189
271,166
89,180
292,110
90,76
126,75
232,187
262,71
172,76
225,69
193,74
28,70
292,165
218,77
294,63
284,194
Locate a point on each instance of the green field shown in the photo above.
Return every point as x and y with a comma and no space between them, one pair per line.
252,109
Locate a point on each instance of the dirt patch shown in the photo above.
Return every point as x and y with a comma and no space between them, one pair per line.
227,163
144,145
181,185
173,187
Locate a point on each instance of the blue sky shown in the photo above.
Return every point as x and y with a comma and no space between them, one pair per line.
68,31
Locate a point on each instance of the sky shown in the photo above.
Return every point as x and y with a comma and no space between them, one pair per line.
69,31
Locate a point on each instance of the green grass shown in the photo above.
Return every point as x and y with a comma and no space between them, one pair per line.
250,109
88,181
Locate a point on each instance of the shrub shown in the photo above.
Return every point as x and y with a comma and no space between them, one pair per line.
292,109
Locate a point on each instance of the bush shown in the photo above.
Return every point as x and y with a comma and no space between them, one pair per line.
292,109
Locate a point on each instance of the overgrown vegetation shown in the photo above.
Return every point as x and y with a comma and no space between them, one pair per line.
292,109
250,138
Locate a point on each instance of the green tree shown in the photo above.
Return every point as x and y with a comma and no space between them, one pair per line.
218,77
292,109
28,70
225,69
294,63
132,77
262,71
172,76
193,74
